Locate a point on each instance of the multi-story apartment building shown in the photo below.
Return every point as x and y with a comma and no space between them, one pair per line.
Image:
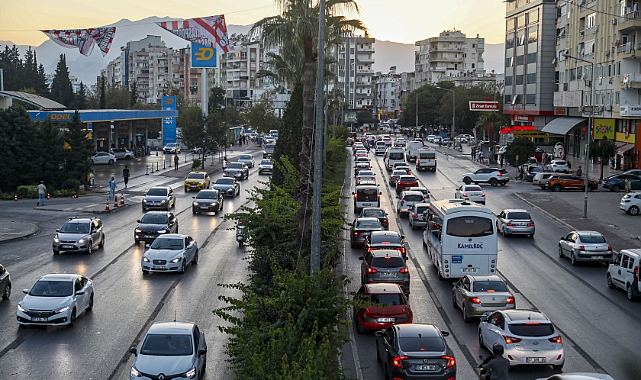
354,72
387,93
450,57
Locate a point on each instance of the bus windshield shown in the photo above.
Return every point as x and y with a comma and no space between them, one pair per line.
367,195
469,226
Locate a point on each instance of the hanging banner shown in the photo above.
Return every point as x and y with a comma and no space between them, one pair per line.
84,39
202,56
208,31
169,123
604,128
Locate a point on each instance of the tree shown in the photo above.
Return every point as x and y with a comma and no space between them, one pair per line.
81,97
603,150
78,164
61,88
50,157
289,136
260,115
365,117
192,126
117,97
17,134
103,92
522,148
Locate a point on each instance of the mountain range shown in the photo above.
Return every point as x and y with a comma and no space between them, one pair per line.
87,69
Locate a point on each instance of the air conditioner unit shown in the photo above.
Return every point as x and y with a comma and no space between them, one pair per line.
614,20
608,107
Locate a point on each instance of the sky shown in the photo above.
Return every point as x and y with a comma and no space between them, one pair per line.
405,21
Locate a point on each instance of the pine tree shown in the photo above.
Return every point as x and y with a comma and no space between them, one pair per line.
12,65
81,97
41,86
103,93
49,160
17,133
78,164
61,88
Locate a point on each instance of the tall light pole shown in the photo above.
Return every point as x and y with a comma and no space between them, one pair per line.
453,109
416,124
589,135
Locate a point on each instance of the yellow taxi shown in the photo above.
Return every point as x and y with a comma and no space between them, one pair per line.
197,180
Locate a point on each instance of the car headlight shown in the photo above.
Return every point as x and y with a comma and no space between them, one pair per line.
201,183
61,310
191,372
163,202
176,260
138,230
145,259
134,372
22,309
195,204
56,240
162,231
82,241
144,201
213,204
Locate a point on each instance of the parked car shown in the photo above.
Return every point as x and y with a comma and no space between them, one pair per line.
154,224
266,166
406,200
623,273
248,159
5,283
417,215
103,158
515,222
79,235
123,154
617,182
197,180
587,246
171,148
228,186
385,240
558,166
170,253
633,172
385,265
541,179
56,300
360,228
473,193
160,198
478,295
493,176
208,200
569,182
376,212
385,305
631,203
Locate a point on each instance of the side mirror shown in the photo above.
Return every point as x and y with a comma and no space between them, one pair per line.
562,238
147,245
361,258
138,221
58,230
94,231
25,291
202,351
133,350
80,292
445,333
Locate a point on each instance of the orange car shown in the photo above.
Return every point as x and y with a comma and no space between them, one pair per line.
570,182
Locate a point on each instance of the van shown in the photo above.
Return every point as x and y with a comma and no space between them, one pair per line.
623,272
412,150
426,160
380,148
366,196
393,156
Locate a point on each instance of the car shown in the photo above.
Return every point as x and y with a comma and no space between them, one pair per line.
170,350
171,148
197,180
415,351
473,193
56,300
417,215
569,182
406,200
617,182
532,171
366,177
636,172
159,198
541,179
493,176
362,159
170,253
515,222
403,166
430,138
578,376
527,336
631,203
361,153
589,246
209,200
227,186
247,159
478,295
103,158
400,141
382,305
79,235
376,212
154,224
5,283
405,181
623,273
360,228
361,166
266,166
123,154
385,240
423,190
395,174
558,166
238,170
269,150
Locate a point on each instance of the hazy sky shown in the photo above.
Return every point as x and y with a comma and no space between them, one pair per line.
404,21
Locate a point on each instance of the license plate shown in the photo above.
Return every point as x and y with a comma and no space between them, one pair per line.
160,267
386,319
597,257
204,207
535,360
425,367
367,204
38,319
388,274
149,236
67,246
469,270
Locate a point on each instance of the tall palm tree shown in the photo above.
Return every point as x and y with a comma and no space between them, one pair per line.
298,24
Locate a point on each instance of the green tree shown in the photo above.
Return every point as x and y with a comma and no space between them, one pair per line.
61,88
603,150
191,123
522,148
12,67
103,93
260,115
77,164
117,97
17,134
50,158
365,117
81,97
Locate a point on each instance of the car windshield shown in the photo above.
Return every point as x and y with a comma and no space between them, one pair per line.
246,157
368,223
225,181
171,244
269,147
489,286
167,345
422,344
196,176
472,188
413,198
154,219
422,209
388,262
235,165
386,239
533,329
386,299
518,215
50,288
75,228
207,195
266,162
156,191
374,213
591,238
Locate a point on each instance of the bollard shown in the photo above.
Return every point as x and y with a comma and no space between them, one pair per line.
157,166
15,197
48,195
164,164
107,207
156,153
115,201
122,199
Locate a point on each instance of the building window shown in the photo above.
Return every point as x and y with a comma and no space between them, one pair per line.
531,78
508,61
530,99
507,99
519,60
572,74
532,34
508,81
509,40
519,79
531,57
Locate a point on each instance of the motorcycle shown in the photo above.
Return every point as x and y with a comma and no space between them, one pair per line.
240,234
480,368
224,163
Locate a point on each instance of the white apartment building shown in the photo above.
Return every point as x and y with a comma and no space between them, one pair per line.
354,72
387,93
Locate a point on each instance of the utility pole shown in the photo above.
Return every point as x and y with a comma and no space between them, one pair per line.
416,123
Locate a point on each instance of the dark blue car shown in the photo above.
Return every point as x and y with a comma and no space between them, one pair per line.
617,182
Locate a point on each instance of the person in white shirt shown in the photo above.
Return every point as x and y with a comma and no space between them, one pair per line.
42,190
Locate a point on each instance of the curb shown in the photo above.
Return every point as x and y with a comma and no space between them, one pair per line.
34,230
570,227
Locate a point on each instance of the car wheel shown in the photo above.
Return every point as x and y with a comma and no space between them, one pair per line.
193,211
630,293
560,251
72,319
145,272
633,210
195,259
481,343
111,162
493,181
7,292
504,233
56,252
591,188
182,268
454,305
412,224
90,306
556,188
90,248
503,183
467,180
102,242
615,188
572,259
144,209
610,283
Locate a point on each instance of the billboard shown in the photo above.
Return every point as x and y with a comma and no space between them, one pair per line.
350,117
604,128
168,123
202,55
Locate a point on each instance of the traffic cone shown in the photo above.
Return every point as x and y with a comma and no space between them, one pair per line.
115,201
15,197
107,207
48,196
122,199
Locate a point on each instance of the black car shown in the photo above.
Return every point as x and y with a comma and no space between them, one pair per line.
5,283
79,235
415,351
227,186
385,240
376,212
207,200
154,224
237,170
361,228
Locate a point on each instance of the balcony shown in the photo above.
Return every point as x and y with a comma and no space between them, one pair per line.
628,50
365,48
632,80
437,68
630,21
364,60
365,71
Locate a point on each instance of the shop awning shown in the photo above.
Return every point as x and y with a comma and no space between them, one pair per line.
562,125
623,149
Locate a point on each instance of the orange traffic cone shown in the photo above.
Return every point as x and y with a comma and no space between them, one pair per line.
15,197
122,199
48,196
107,207
115,201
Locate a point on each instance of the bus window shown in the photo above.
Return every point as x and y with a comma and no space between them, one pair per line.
469,226
367,195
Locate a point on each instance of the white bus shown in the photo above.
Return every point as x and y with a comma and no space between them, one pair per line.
461,238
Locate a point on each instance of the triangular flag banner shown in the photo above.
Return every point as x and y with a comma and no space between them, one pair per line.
84,39
209,31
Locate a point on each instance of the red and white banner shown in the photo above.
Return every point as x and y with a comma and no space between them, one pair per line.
84,39
209,31
483,105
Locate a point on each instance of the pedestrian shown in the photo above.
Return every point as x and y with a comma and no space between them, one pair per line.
500,160
626,185
579,172
42,190
176,159
125,175
112,187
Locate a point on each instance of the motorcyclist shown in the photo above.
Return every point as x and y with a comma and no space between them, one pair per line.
496,366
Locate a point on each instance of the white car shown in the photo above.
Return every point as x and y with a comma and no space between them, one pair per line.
431,138
266,166
170,253
171,148
473,193
400,141
631,203
366,177
123,154
103,158
424,190
248,159
558,166
56,300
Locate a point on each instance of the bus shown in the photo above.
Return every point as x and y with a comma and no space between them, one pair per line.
461,238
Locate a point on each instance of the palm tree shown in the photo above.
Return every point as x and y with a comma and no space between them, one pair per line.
298,25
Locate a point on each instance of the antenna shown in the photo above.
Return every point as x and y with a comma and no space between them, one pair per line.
175,315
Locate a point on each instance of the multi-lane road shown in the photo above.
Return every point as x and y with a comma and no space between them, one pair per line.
600,328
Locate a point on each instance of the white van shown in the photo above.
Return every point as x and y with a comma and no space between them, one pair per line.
366,196
412,150
393,156
381,147
426,160
623,272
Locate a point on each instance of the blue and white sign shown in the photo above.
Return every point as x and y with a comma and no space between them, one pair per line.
202,55
168,123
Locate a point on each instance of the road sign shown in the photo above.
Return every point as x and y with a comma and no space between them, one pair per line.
484,105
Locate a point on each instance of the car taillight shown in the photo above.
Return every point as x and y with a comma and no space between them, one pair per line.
398,361
451,362
384,220
356,233
511,339
509,300
474,300
532,224
465,194
500,174
415,215
418,161
556,339
401,250
358,178
510,224
404,270
371,270
370,249
636,273
482,194
582,248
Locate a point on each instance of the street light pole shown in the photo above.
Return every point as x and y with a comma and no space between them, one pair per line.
453,109
588,136
416,123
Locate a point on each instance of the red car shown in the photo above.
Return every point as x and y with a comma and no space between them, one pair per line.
385,304
405,181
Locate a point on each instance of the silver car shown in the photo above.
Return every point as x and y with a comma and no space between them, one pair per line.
56,300
478,295
473,193
79,235
266,166
528,337
159,198
170,350
247,159
406,200
103,158
417,215
170,253
515,222
585,246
